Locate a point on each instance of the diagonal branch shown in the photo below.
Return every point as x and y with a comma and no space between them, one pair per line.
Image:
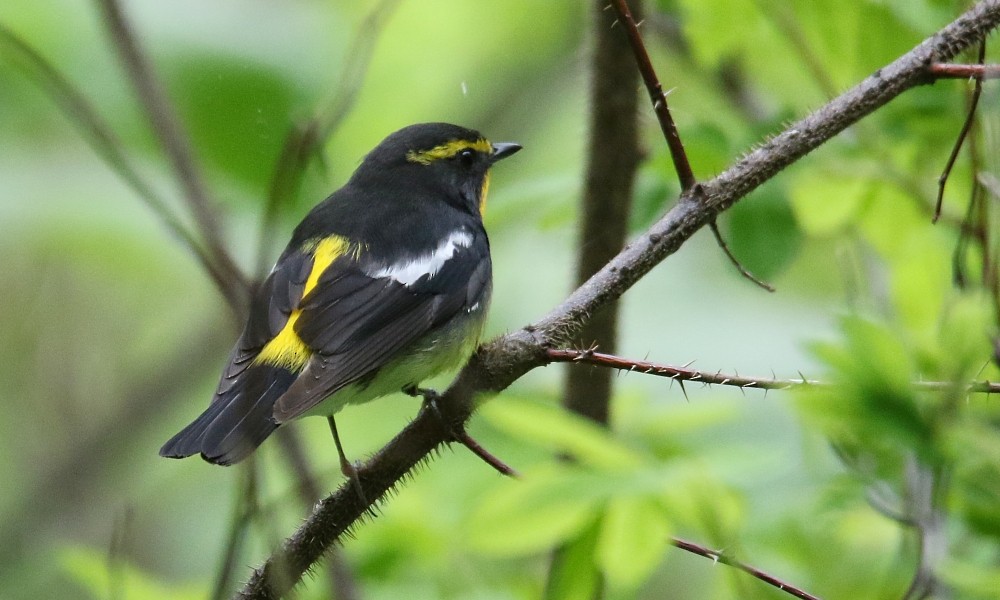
656,95
101,138
725,559
168,129
501,362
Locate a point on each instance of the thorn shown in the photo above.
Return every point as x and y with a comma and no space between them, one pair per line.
804,381
688,364
681,382
725,381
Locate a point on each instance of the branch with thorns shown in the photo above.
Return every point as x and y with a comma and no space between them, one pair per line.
681,374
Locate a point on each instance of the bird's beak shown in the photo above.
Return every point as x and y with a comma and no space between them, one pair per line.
502,150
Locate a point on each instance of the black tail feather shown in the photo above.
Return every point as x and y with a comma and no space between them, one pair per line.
238,420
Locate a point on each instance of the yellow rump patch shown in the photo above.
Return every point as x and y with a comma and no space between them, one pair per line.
447,150
287,350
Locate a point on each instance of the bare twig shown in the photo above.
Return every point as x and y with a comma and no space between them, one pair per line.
725,559
951,71
966,126
736,262
244,509
504,360
170,133
684,173
101,138
686,176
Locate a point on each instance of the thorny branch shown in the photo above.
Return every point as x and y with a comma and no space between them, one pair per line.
682,165
657,97
502,361
725,559
683,373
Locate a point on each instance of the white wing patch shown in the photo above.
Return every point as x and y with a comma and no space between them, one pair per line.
408,272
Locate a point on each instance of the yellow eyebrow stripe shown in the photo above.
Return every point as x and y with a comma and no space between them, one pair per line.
447,150
287,350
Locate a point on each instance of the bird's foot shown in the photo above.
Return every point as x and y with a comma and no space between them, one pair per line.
458,432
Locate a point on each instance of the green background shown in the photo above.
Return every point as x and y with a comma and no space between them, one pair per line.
111,337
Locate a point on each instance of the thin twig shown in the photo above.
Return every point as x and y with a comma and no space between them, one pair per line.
244,508
684,173
951,71
170,133
736,262
721,557
101,138
680,374
966,126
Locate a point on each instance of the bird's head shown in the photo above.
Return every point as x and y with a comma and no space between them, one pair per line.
450,160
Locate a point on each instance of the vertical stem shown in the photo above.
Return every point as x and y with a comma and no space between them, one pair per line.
613,156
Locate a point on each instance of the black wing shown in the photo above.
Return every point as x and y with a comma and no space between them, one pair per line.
357,322
351,323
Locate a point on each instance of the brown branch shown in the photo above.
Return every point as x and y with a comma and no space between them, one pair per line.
171,135
677,154
502,361
721,557
683,373
612,159
613,156
684,173
950,71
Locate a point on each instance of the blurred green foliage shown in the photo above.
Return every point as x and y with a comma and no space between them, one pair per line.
113,336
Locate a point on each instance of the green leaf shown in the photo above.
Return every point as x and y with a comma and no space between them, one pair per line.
825,203
874,404
556,429
634,534
237,114
92,571
574,573
539,511
761,232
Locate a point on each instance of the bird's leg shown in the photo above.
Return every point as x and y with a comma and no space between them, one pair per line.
349,470
458,433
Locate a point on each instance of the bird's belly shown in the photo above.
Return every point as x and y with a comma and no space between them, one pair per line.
443,349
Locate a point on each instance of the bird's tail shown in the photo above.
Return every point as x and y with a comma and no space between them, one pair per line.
238,420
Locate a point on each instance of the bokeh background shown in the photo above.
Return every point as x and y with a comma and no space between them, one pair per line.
112,337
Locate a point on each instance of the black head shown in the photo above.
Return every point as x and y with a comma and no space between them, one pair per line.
449,161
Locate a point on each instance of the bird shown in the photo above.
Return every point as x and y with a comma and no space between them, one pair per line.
383,284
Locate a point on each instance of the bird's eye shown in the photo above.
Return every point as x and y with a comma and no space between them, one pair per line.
467,156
